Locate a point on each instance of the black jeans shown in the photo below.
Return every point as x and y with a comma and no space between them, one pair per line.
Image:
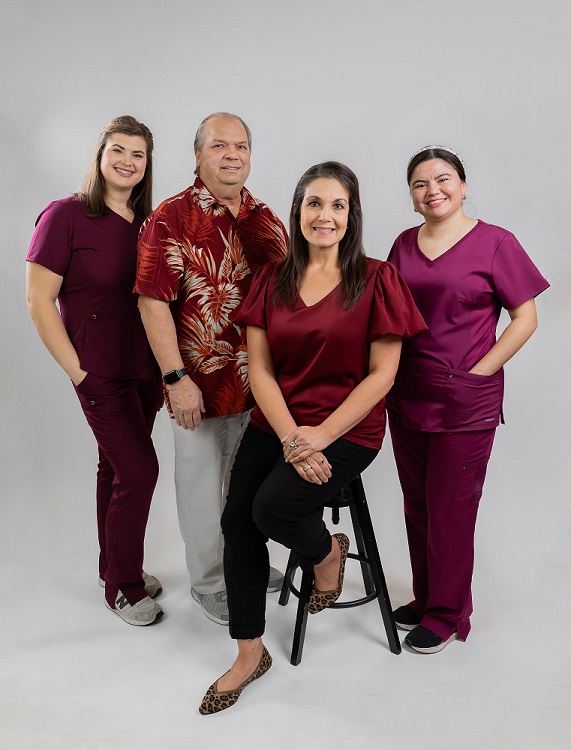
268,499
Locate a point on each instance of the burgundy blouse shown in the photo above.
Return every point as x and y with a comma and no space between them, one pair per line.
321,352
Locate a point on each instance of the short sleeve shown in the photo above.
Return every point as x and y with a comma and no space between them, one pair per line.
160,261
252,312
52,241
514,275
394,311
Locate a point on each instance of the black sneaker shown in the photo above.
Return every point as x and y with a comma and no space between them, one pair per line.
405,618
424,641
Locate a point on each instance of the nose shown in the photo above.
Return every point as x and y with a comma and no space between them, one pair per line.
433,188
324,214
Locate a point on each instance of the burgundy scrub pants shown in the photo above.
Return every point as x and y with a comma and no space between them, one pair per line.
121,414
441,475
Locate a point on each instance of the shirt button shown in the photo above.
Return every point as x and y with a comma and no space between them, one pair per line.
92,403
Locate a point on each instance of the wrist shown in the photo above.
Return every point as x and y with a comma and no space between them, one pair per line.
174,376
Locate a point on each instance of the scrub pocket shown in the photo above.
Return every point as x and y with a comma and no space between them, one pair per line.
472,402
470,484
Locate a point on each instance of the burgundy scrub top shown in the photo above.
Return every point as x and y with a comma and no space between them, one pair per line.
97,258
321,352
460,295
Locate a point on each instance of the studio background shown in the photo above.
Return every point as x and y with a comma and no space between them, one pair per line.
366,83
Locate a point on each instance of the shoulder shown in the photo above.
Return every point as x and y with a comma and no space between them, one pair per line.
496,238
408,237
175,204
380,269
63,211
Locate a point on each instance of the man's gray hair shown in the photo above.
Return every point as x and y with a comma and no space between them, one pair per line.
199,137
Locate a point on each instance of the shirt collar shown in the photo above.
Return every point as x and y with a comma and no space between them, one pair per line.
205,199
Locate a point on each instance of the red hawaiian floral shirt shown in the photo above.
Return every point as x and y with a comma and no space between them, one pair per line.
194,254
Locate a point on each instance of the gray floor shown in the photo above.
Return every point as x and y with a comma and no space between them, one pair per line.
74,676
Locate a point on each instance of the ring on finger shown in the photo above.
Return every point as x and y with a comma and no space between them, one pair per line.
292,446
307,468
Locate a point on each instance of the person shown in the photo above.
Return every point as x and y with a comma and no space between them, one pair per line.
197,254
83,254
447,399
324,330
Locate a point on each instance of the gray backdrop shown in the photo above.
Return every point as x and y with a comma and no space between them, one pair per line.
367,83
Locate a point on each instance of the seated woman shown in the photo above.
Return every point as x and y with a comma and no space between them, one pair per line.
324,330
83,254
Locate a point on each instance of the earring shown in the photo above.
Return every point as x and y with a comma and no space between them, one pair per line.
463,197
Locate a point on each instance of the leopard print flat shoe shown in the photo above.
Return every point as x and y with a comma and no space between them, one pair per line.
215,701
319,600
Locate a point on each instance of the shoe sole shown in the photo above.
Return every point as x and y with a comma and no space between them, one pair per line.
158,616
432,649
404,626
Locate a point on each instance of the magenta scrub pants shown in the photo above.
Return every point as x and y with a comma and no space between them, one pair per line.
121,414
441,475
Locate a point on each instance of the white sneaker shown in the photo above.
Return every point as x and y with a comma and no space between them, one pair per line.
153,586
214,606
144,612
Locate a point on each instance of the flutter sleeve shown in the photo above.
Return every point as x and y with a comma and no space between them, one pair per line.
514,275
394,311
252,311
52,241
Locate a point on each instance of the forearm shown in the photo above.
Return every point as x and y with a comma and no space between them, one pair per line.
51,330
358,404
519,330
185,397
161,333
270,399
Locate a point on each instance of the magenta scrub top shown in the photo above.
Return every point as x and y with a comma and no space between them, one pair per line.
321,352
97,258
460,295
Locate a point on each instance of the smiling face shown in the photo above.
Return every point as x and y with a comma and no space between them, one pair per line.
436,190
324,213
123,162
224,160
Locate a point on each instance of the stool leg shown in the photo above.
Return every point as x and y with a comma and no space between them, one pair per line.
301,618
285,592
376,566
365,569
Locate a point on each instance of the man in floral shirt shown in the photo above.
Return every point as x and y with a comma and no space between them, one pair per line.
198,252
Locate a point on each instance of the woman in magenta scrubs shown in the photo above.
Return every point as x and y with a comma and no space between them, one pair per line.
447,399
83,255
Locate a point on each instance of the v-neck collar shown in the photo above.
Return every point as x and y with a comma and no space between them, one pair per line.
451,249
319,301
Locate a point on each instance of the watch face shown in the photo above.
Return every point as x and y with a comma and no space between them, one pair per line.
173,376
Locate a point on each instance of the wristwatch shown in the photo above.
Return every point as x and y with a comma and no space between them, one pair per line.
173,376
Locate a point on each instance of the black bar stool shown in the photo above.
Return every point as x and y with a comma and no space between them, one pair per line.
353,497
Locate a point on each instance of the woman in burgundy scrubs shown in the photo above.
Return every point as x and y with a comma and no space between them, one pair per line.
447,399
324,333
83,255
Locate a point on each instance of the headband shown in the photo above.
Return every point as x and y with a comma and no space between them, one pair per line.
442,148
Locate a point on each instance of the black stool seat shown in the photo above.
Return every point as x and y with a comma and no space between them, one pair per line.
352,497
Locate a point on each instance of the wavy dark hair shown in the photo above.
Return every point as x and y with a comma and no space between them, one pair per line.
435,153
92,190
352,258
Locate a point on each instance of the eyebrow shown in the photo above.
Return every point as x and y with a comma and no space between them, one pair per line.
335,200
118,145
421,179
237,143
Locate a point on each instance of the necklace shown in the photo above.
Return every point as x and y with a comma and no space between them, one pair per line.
117,206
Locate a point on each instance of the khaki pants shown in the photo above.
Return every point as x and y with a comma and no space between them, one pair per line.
203,460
